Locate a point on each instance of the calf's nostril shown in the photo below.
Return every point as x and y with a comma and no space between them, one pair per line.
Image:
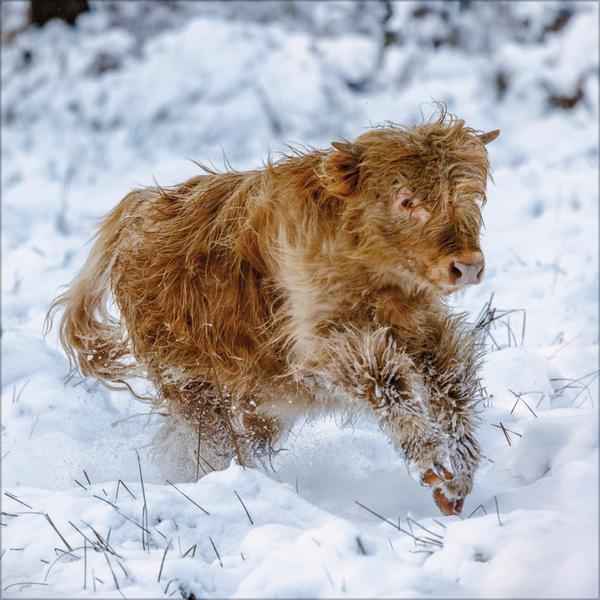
455,272
466,273
480,272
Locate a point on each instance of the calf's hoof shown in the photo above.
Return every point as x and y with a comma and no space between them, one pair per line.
436,475
447,506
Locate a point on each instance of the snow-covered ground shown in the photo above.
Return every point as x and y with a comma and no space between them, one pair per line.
93,111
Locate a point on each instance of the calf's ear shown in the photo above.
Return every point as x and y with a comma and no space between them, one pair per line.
490,136
340,169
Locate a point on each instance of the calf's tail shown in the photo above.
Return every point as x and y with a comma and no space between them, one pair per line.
95,341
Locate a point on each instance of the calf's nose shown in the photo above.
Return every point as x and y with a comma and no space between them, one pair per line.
467,272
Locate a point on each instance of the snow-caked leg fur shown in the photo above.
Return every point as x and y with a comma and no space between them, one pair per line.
448,360
369,368
222,425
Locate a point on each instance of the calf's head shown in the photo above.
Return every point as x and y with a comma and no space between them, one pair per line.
412,200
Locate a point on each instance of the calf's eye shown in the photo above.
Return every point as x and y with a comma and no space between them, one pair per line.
411,208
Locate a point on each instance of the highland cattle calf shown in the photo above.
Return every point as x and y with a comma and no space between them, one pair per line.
315,284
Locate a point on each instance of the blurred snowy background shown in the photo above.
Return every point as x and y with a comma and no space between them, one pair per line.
136,89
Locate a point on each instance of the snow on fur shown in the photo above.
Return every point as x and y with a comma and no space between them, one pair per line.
92,112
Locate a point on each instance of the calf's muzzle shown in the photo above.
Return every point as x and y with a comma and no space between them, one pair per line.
467,270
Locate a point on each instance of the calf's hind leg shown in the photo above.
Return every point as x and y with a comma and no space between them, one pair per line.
222,425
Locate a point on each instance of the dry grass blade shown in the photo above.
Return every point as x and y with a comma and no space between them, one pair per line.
146,531
361,547
329,578
206,463
84,564
13,497
162,562
489,315
145,542
478,507
86,477
386,520
85,538
225,411
198,451
520,398
429,540
216,551
102,543
497,511
60,556
80,485
47,517
578,384
410,520
586,388
168,585
190,549
16,397
564,345
113,573
242,503
486,457
505,434
506,430
188,498
122,483
24,583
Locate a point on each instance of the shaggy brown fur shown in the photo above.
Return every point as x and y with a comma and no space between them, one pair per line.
314,284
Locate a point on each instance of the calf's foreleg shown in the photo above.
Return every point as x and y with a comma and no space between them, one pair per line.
369,369
448,357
